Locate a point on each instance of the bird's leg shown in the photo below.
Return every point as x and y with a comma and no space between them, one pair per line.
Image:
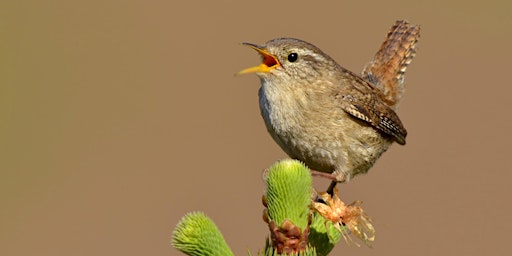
331,188
335,177
331,176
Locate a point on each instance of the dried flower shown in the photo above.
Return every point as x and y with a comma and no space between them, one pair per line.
351,216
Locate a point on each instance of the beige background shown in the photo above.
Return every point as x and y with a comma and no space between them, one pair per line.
118,117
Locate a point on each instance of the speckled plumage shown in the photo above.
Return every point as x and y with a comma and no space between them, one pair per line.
322,114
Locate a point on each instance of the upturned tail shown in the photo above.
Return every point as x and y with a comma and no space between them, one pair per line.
387,69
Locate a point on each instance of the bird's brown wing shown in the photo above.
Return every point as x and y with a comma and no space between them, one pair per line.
361,100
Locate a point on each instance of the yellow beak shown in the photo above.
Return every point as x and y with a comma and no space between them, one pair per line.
270,61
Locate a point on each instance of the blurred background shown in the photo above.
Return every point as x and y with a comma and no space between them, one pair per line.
119,117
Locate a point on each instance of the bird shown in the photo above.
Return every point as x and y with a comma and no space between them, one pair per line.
335,121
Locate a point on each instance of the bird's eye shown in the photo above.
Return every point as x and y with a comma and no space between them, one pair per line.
292,57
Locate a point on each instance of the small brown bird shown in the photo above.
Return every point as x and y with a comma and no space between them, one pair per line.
335,121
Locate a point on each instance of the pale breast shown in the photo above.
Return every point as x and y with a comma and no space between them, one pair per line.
323,136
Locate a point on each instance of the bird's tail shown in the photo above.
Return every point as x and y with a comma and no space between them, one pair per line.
387,69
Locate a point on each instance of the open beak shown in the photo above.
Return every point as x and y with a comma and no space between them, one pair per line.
270,61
